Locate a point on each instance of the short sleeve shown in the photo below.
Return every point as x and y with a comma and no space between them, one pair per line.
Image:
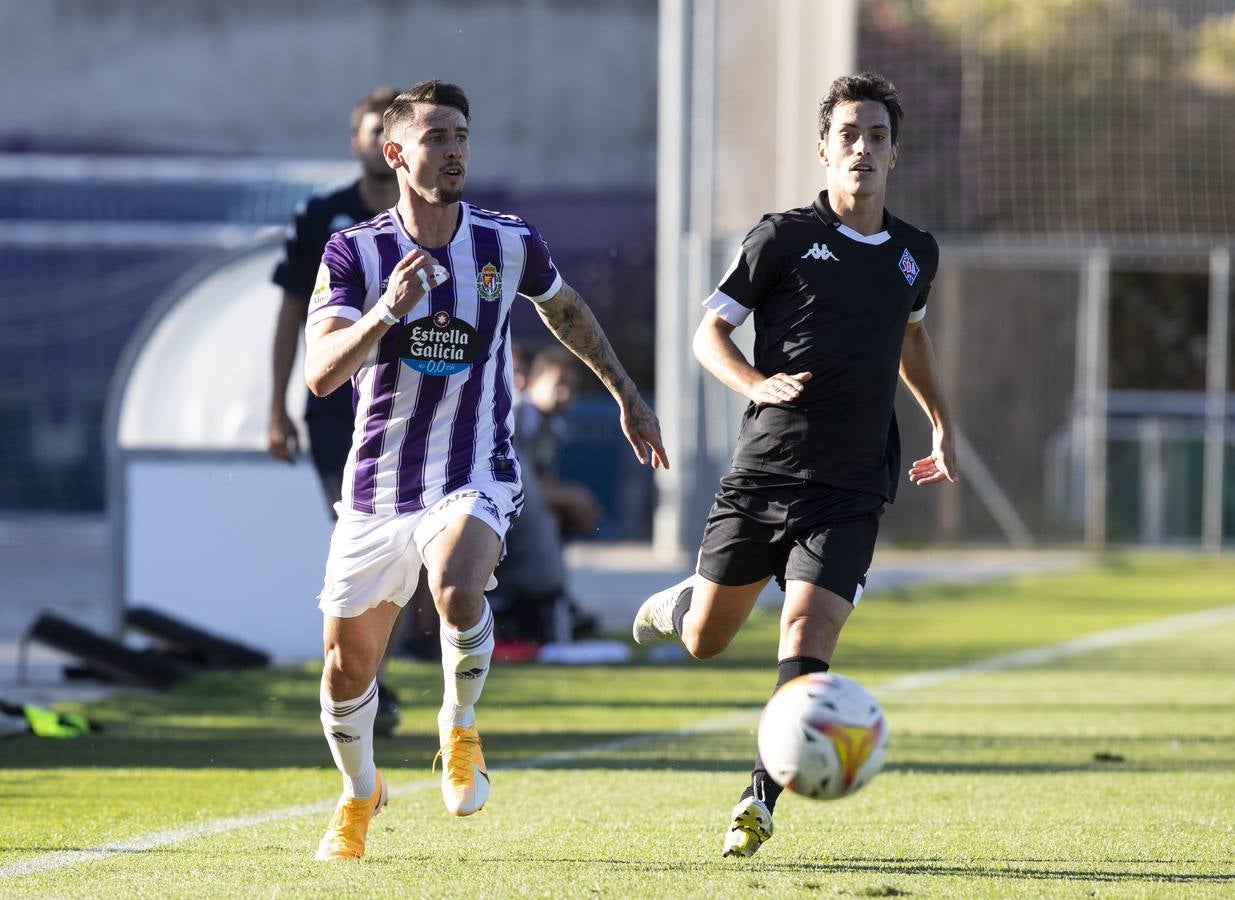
340,288
918,311
541,280
749,278
298,263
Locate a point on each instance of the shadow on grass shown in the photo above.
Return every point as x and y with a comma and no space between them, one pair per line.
258,749
208,749
1001,870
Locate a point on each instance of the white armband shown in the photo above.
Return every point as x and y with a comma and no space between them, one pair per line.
727,308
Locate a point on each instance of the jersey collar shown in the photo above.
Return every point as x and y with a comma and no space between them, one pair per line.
461,227
823,210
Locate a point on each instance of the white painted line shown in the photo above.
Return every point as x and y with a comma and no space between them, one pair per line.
1036,656
63,858
1102,640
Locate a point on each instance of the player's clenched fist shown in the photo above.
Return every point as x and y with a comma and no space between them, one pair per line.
411,278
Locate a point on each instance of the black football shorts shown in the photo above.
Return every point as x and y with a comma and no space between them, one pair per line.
765,524
330,441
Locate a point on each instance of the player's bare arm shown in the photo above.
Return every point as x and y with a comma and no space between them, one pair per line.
920,374
281,437
572,322
336,347
714,348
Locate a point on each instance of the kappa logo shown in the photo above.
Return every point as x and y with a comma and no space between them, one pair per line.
470,674
820,251
909,267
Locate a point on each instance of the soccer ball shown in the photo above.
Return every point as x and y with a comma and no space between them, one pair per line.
823,736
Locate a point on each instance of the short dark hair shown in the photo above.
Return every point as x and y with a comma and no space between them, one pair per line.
402,110
376,102
863,86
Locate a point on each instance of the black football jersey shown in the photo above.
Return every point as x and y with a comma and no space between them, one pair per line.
316,220
833,302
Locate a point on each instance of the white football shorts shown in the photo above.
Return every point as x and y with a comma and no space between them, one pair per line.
375,558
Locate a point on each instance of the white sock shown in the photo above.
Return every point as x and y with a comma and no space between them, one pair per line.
465,664
349,732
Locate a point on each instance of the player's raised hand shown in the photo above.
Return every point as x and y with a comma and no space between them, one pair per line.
411,279
940,465
779,388
642,429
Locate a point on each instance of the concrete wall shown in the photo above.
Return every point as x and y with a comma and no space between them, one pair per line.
563,93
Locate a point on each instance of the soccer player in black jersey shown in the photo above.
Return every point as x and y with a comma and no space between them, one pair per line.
329,419
838,291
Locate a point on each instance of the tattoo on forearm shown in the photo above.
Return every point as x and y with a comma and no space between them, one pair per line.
570,319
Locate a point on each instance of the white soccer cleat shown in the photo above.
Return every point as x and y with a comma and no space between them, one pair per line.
465,783
751,826
654,621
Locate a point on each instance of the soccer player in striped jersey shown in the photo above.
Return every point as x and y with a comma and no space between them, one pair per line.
413,306
329,419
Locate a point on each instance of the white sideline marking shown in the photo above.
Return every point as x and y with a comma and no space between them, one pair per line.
1102,640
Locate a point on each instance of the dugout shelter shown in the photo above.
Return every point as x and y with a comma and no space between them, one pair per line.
205,525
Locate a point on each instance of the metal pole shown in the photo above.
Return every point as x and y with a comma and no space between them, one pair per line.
816,43
1095,315
672,195
791,137
1153,481
684,227
701,166
944,321
1217,362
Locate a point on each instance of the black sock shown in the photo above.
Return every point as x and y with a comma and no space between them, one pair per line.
680,608
761,786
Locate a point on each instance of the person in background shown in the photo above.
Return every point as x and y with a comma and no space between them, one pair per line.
330,419
531,604
541,429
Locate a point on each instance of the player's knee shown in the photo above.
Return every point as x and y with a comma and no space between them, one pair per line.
347,674
823,625
459,607
704,645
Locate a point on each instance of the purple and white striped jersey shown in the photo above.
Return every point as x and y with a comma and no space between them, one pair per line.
433,398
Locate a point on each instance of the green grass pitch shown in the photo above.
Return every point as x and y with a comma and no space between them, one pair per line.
1105,773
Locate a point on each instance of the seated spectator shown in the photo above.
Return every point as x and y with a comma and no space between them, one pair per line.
531,604
540,431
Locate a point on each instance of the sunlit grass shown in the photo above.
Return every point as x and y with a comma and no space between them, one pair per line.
1111,772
